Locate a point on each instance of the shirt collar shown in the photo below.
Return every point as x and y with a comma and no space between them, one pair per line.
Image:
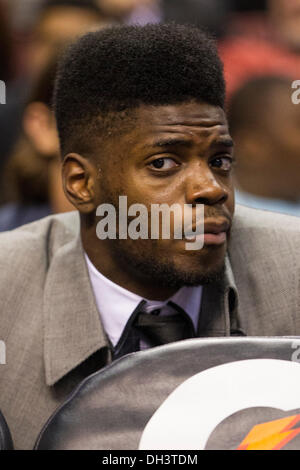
116,304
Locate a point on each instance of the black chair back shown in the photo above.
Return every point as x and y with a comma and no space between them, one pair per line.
216,393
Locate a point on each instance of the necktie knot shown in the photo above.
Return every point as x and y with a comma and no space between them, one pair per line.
154,329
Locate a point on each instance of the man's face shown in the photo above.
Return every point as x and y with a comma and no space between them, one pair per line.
175,154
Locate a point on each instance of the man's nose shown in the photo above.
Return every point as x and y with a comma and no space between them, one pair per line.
203,188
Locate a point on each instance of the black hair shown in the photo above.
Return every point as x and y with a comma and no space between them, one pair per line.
116,69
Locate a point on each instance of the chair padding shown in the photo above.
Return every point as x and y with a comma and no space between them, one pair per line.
194,394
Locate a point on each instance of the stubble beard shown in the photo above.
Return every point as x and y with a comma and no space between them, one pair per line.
145,261
163,271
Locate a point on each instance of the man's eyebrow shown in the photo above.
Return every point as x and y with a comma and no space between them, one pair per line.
170,142
223,143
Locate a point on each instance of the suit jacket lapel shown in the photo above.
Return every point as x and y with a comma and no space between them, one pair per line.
73,329
219,315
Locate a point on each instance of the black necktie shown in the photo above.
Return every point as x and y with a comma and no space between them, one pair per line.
153,329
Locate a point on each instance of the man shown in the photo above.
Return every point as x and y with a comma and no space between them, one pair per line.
264,123
140,114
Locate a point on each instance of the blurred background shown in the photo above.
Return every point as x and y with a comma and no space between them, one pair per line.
259,43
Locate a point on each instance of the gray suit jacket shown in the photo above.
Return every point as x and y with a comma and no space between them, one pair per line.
52,328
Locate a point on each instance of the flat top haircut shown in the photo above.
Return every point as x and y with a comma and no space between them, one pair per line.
115,70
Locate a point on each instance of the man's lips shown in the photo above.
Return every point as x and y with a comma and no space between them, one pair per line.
216,226
215,231
215,238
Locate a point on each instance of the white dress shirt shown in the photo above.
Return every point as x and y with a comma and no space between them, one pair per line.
116,304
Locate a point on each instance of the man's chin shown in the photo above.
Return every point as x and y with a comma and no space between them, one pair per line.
168,274
165,268
195,268
179,278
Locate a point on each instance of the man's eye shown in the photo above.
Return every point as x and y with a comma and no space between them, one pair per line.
163,164
224,163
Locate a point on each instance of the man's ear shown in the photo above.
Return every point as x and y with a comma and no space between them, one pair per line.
79,182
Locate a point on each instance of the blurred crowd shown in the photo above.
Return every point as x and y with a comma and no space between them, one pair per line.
259,42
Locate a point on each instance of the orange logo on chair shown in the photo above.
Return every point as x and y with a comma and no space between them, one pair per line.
272,435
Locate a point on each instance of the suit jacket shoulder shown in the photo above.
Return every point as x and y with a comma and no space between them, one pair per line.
25,254
48,321
37,239
264,251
